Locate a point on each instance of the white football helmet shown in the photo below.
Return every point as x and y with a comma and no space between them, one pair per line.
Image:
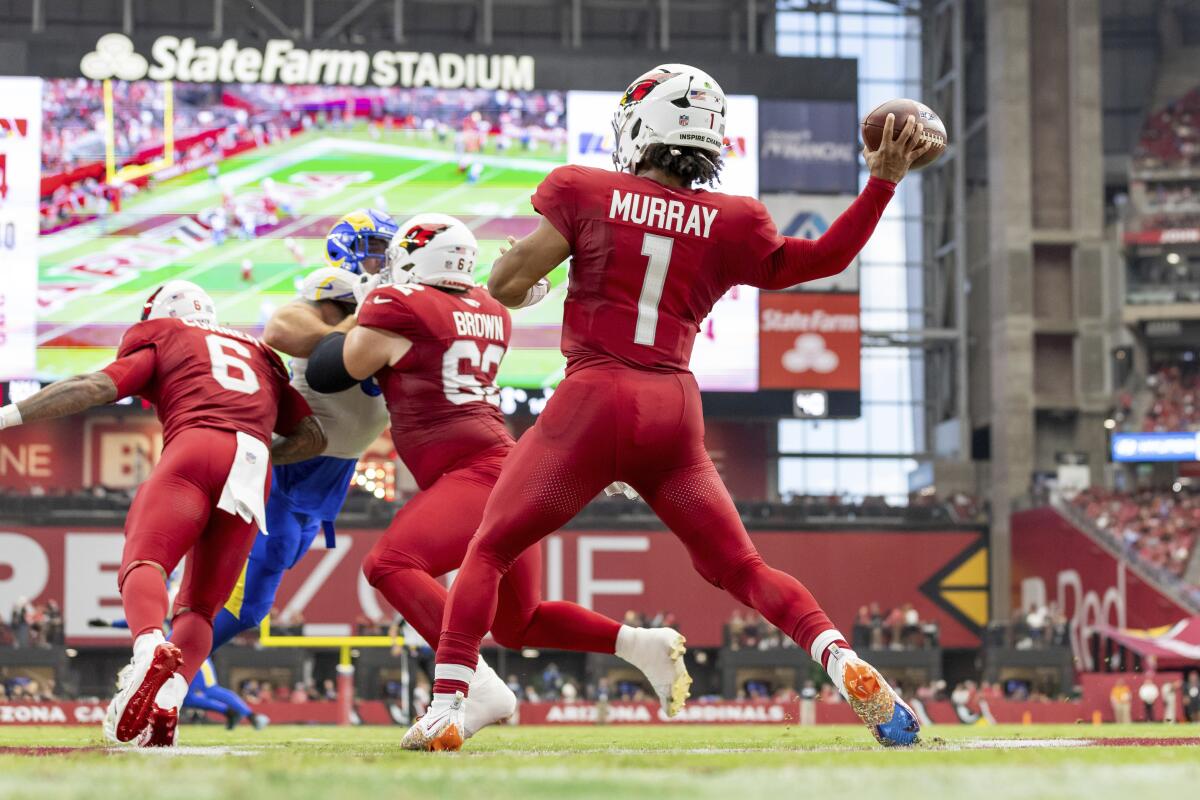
432,249
670,104
180,300
329,283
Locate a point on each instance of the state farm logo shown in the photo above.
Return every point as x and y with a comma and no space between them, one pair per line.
809,341
809,354
114,57
818,321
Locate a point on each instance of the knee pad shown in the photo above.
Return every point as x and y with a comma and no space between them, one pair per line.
509,631
734,572
383,560
490,555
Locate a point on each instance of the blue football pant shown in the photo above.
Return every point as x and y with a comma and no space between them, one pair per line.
291,535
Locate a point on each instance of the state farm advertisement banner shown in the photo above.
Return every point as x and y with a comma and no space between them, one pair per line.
809,340
20,184
1055,562
611,572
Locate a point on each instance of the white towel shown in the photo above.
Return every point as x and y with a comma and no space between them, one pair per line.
245,489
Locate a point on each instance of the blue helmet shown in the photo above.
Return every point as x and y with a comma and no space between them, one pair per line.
348,243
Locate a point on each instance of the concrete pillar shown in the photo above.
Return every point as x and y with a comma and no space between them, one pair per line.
1049,327
1010,278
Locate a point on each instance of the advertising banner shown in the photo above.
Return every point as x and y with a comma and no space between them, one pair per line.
20,183
809,340
808,146
610,571
808,216
1178,446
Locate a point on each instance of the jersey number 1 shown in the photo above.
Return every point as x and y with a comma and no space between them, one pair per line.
657,250
219,349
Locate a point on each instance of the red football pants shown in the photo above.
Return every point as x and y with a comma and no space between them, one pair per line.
429,537
606,424
175,514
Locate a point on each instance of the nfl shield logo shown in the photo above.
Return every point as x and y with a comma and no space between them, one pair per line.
684,119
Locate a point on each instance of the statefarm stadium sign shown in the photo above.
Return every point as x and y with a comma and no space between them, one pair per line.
281,61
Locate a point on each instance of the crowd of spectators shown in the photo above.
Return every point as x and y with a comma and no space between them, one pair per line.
1170,137
22,688
1155,527
898,628
32,625
749,630
1175,399
255,691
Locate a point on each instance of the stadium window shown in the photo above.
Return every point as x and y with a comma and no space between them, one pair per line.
892,391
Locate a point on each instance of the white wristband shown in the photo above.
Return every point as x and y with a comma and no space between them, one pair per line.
10,416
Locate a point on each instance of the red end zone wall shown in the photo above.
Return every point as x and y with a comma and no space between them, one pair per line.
1053,561
941,573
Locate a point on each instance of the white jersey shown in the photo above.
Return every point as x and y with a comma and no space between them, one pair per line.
352,419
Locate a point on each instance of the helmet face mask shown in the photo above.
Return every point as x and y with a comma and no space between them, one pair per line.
358,242
180,300
433,250
672,104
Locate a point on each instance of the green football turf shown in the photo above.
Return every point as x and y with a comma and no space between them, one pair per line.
409,172
741,762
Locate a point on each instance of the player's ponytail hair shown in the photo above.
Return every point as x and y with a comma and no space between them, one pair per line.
690,164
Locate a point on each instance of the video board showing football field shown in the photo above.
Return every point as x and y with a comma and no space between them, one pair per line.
234,187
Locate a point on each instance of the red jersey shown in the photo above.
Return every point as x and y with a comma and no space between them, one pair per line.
649,261
202,376
442,396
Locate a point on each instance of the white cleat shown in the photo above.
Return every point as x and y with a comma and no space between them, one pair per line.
490,701
155,661
440,728
658,653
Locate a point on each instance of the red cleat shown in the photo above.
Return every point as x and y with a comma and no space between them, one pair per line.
139,682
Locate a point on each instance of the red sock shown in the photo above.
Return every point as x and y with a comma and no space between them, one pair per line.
419,598
144,596
192,633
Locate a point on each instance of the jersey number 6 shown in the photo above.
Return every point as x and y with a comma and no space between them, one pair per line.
219,349
658,250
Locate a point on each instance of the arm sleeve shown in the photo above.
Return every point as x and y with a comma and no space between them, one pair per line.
795,260
131,373
554,200
293,409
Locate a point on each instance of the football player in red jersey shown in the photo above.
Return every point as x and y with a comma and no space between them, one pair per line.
220,396
434,341
651,253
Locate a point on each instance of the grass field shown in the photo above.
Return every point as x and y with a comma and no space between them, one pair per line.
614,762
94,277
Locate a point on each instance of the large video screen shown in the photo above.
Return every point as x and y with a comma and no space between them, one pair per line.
259,175
234,186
